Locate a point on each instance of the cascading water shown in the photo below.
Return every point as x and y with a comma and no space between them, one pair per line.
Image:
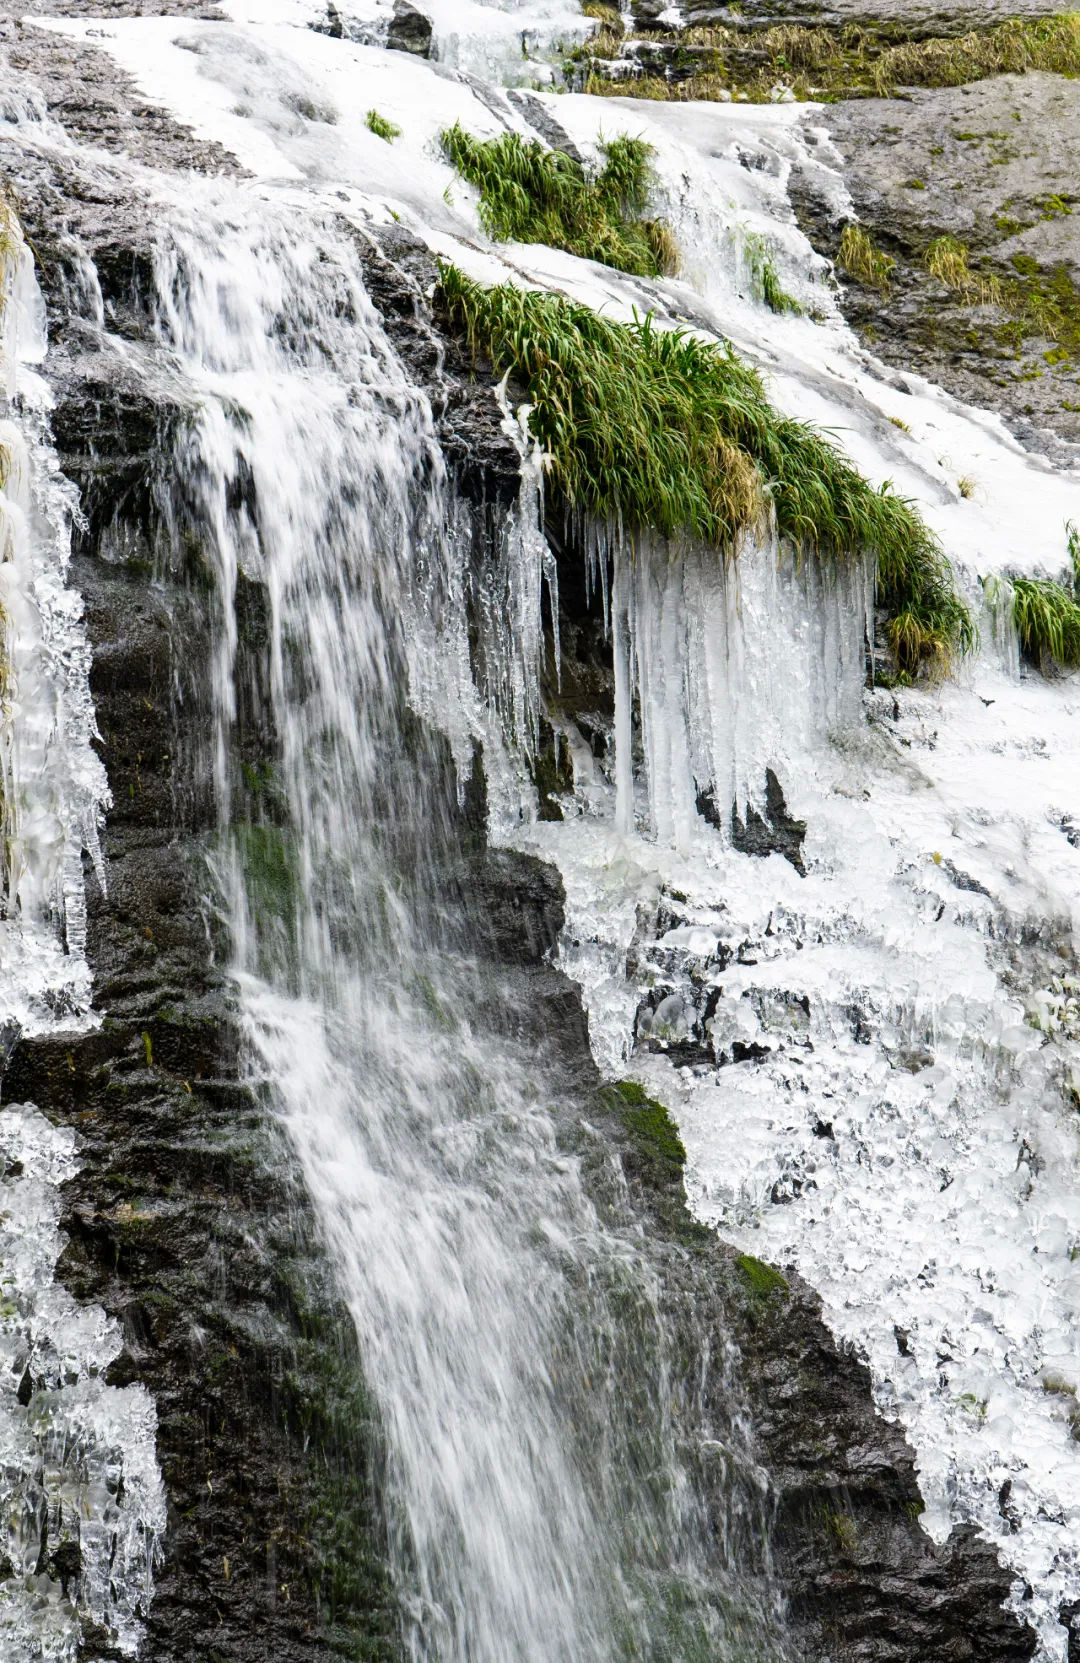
535,1515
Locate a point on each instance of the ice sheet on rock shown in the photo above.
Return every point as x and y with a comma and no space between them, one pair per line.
506,44
79,1482
52,785
905,1134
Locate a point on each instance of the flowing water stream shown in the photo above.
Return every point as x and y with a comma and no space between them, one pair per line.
538,1509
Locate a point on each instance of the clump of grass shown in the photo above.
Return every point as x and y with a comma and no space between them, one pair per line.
655,430
530,194
381,127
605,43
609,16
1011,48
966,486
1047,619
948,260
816,62
764,278
859,257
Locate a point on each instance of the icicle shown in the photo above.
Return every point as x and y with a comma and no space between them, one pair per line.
621,636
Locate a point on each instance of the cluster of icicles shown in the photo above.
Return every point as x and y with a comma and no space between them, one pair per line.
80,1494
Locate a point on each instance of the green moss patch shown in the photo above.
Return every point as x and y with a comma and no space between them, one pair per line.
761,1279
650,1123
533,195
655,430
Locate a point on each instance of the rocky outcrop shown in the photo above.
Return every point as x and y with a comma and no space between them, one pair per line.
916,18
992,165
409,30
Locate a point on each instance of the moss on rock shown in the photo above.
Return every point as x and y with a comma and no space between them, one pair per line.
762,1280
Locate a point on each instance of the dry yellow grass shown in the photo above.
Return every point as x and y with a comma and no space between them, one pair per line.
851,62
947,259
860,259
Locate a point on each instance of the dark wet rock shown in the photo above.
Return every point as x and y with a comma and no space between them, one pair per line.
1069,1617
410,30
863,1579
774,832
401,277
95,101
542,121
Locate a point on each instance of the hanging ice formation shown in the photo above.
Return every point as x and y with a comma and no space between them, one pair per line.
80,1491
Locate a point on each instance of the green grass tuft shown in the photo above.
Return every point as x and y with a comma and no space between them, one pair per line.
1047,619
821,62
381,127
947,259
764,278
532,195
648,429
864,262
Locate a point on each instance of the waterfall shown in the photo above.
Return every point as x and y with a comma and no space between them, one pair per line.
539,1508
871,1052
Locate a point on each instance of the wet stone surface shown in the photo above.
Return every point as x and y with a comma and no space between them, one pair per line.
993,165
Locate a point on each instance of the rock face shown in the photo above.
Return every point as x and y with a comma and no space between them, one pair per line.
410,30
993,165
185,1221
863,1579
916,17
